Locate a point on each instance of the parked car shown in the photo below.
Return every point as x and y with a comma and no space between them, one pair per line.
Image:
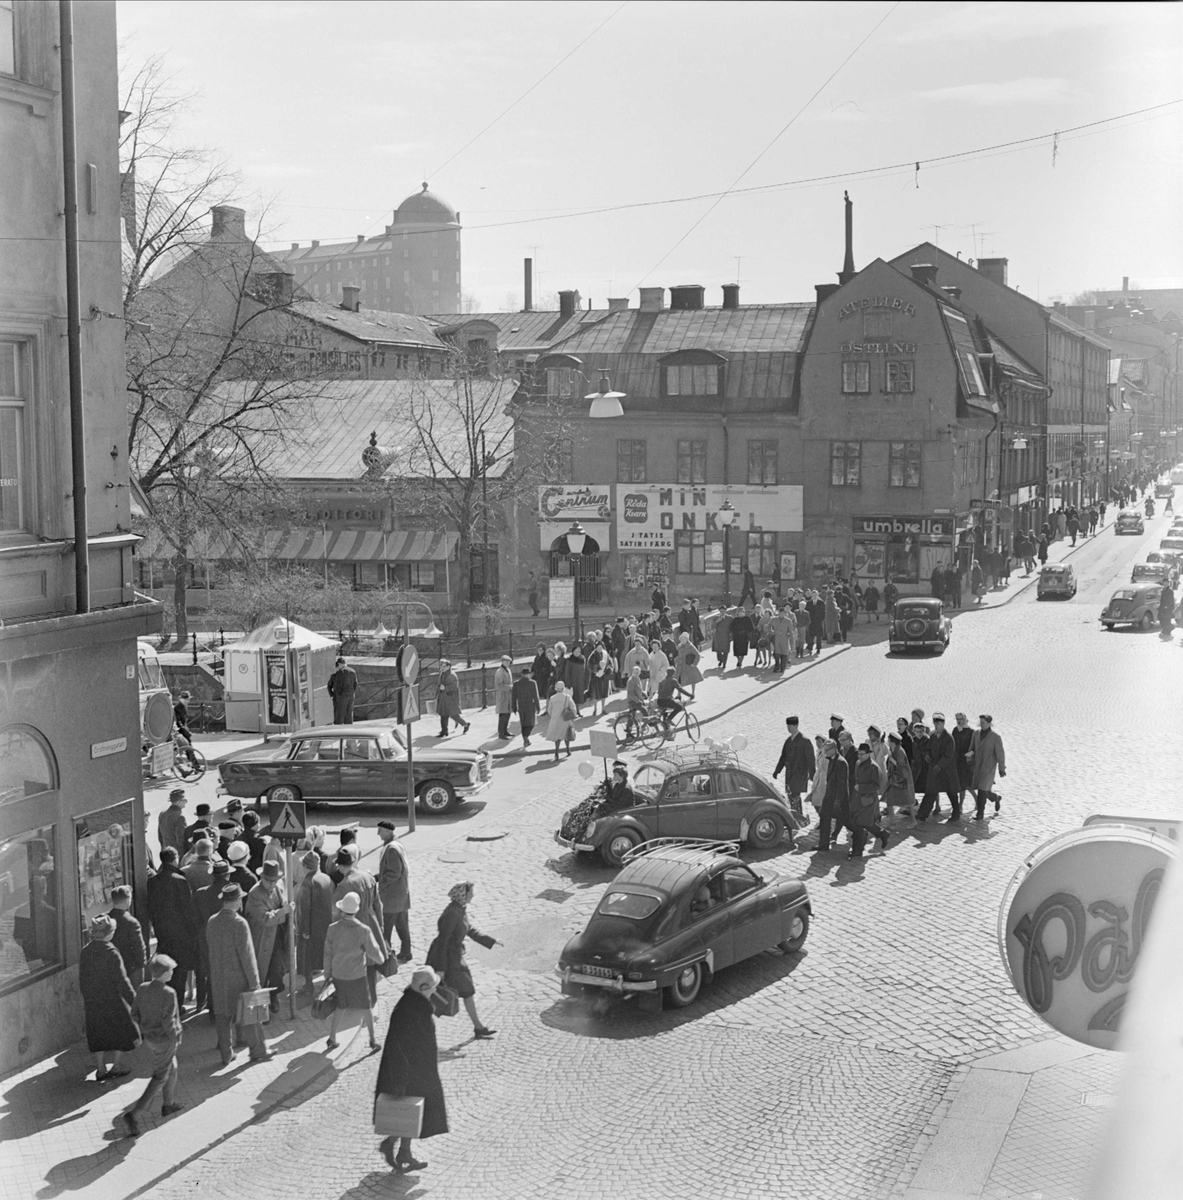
1163,488
919,623
677,914
1173,541
707,793
1129,522
1156,572
1135,605
1056,579
366,762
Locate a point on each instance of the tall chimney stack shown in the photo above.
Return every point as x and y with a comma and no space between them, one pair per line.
528,286
1125,283
848,272
731,295
568,303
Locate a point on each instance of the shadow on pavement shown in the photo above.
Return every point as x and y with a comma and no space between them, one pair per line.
387,1183
620,1019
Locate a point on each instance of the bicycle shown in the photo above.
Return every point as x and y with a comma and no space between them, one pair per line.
189,763
651,729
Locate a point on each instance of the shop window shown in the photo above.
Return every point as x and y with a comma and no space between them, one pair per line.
692,379
856,377
762,460
903,464
420,576
845,464
26,764
645,571
870,560
630,460
30,903
692,461
103,842
14,452
900,376
690,552
761,558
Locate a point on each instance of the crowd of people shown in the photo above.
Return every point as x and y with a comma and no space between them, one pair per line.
862,787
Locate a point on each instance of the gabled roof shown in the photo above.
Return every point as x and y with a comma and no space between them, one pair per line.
370,325
1008,359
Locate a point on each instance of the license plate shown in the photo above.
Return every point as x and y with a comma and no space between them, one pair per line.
602,972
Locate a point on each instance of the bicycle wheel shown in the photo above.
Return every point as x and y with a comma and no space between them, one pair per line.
691,725
621,731
189,765
650,733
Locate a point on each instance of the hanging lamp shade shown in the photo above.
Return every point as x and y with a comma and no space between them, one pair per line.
605,402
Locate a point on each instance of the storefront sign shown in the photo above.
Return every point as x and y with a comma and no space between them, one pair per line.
648,515
878,347
876,302
103,749
575,501
910,526
1072,925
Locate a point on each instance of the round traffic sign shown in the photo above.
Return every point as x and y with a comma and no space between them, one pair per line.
408,664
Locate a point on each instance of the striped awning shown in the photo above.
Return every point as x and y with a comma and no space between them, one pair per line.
319,545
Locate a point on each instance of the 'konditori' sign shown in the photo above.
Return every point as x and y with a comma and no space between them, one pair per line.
648,515
1073,921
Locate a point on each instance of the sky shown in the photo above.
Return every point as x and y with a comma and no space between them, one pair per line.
524,116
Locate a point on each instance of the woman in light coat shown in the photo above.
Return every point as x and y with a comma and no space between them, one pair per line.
350,946
689,673
560,711
832,614
817,793
784,635
503,696
599,674
900,789
658,664
638,656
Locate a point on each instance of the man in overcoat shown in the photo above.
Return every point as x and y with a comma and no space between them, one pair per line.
394,889
232,970
129,937
207,901
797,762
267,913
986,756
342,688
835,802
314,915
942,771
170,825
525,702
447,700
173,917
503,696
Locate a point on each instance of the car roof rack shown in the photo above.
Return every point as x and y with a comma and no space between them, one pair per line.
696,847
697,755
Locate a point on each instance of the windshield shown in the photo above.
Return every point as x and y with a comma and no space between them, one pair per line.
391,745
628,904
914,610
151,676
1124,594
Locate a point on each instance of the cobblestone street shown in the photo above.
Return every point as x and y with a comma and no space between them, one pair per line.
822,1074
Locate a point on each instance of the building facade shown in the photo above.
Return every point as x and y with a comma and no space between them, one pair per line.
413,266
71,805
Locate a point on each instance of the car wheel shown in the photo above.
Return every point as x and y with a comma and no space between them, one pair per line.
767,829
437,796
1108,625
617,845
283,793
798,932
684,990
1146,621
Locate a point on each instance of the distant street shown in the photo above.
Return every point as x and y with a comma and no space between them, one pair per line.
817,1072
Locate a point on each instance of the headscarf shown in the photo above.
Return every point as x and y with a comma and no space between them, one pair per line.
458,893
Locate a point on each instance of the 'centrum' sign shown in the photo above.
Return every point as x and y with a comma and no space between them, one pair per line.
1073,922
578,501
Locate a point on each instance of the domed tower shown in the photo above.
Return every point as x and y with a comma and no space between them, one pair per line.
425,238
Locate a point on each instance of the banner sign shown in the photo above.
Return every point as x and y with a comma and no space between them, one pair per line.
575,502
909,526
648,515
278,701
560,598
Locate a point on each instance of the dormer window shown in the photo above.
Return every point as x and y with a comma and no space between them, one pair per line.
692,373
564,376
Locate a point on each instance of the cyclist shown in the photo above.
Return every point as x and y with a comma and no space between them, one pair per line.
666,704
181,719
638,702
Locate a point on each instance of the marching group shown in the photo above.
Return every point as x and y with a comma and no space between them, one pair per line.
219,909
859,787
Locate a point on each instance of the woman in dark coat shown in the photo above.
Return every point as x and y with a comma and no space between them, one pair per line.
410,1066
721,639
446,953
599,677
559,668
541,669
963,735
107,998
576,676
741,635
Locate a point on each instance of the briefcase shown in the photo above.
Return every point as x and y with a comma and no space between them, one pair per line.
254,1008
398,1116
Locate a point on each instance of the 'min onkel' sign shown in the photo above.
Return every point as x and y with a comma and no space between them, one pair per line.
1073,923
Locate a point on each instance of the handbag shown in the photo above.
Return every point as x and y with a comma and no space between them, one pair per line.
324,1005
389,967
254,1008
445,1002
398,1116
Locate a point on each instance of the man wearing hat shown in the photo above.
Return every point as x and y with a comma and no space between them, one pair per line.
942,771
837,795
798,763
255,842
170,826
233,970
267,912
207,901
174,919
394,889
864,803
314,914
238,855
129,936
227,832
200,828
836,727
342,686
986,756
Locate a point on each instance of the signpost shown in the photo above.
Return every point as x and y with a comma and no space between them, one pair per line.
560,602
603,745
289,820
408,673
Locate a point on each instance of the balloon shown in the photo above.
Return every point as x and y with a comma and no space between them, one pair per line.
586,770
709,743
738,742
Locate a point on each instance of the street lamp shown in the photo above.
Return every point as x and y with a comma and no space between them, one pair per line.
408,670
725,516
605,402
576,539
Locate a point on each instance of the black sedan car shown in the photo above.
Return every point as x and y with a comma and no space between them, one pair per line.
676,914
366,762
919,623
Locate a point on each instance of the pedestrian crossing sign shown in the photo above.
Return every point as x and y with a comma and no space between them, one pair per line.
288,819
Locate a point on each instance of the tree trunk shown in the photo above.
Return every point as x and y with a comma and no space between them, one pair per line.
180,597
464,583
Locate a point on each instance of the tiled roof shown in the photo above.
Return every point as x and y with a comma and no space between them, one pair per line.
369,324
336,421
520,331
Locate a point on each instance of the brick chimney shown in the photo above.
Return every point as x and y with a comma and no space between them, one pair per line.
993,268
687,297
273,288
617,304
924,273
351,297
848,272
731,295
825,291
568,303
227,224
652,299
